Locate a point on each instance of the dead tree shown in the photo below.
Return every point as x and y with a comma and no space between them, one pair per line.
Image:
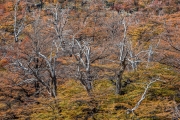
82,53
35,58
18,26
129,56
58,24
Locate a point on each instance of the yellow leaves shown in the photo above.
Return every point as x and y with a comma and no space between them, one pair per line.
111,1
144,3
75,103
55,1
106,66
2,105
135,33
64,60
7,26
144,33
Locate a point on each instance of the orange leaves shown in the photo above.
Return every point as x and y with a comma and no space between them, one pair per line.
1,10
3,62
9,6
62,61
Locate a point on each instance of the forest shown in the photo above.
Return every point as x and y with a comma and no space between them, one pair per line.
90,59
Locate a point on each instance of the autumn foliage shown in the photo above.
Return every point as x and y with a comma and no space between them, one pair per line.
78,44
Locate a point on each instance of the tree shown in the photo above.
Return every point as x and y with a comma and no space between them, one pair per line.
80,48
82,54
129,54
35,57
83,44
18,24
58,23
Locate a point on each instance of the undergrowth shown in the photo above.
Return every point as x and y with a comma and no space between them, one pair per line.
73,102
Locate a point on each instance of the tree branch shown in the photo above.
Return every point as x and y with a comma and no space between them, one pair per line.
142,97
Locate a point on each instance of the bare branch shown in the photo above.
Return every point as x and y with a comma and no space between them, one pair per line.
48,63
142,97
27,81
17,27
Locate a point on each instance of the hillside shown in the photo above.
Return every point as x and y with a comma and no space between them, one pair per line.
90,60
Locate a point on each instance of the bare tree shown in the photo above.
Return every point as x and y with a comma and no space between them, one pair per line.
129,55
35,58
81,50
82,54
58,23
19,23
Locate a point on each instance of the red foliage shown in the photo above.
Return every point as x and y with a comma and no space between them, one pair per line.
127,6
117,7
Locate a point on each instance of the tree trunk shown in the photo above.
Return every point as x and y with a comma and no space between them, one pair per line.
119,82
89,82
86,81
119,77
37,87
53,87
